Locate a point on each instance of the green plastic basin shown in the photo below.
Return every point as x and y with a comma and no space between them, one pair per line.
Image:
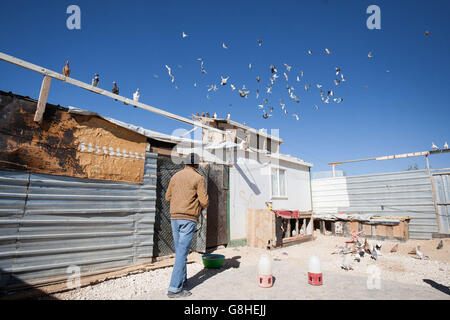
213,261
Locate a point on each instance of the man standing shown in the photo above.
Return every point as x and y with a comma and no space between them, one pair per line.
187,195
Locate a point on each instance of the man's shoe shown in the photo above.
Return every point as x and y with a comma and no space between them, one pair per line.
183,293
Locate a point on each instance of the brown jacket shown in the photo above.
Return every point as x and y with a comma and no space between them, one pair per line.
187,194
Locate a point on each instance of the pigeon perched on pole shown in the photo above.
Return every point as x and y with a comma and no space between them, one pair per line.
95,80
136,95
115,89
66,70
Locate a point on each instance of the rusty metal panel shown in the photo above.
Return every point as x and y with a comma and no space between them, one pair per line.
407,193
67,144
49,223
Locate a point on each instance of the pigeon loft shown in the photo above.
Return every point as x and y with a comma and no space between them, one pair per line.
278,228
378,228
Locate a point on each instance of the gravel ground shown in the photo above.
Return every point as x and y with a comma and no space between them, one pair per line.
402,276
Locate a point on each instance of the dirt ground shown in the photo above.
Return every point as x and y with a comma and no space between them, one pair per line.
400,275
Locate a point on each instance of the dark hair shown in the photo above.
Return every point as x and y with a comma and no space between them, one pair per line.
191,159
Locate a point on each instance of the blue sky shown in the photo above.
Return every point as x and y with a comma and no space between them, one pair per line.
129,42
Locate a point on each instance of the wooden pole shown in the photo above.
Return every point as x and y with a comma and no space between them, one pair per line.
43,95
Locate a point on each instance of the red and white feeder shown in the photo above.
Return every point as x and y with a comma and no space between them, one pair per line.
315,272
265,279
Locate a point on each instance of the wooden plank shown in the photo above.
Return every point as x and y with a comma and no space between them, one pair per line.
353,226
381,230
43,96
367,229
59,284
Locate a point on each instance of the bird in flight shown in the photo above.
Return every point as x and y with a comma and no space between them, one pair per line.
224,80
327,51
224,45
169,70
184,35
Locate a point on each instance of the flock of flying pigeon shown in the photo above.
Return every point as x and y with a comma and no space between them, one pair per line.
326,95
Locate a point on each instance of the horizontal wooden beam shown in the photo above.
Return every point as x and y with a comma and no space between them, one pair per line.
55,75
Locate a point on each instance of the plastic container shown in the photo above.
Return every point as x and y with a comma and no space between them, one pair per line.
265,279
315,272
213,261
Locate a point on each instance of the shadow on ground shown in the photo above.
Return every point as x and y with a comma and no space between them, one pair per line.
206,274
437,286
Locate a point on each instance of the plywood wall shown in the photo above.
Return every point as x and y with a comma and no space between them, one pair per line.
67,144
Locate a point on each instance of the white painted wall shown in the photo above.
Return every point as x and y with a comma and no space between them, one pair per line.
250,188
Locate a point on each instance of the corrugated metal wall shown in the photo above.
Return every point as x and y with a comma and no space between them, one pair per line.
407,193
48,223
442,186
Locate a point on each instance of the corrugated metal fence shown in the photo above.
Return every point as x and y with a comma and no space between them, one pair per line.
48,223
442,185
407,193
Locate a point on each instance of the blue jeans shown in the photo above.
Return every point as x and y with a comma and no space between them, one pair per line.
183,231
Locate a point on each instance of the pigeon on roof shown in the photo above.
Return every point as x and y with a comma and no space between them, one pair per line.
434,146
66,70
